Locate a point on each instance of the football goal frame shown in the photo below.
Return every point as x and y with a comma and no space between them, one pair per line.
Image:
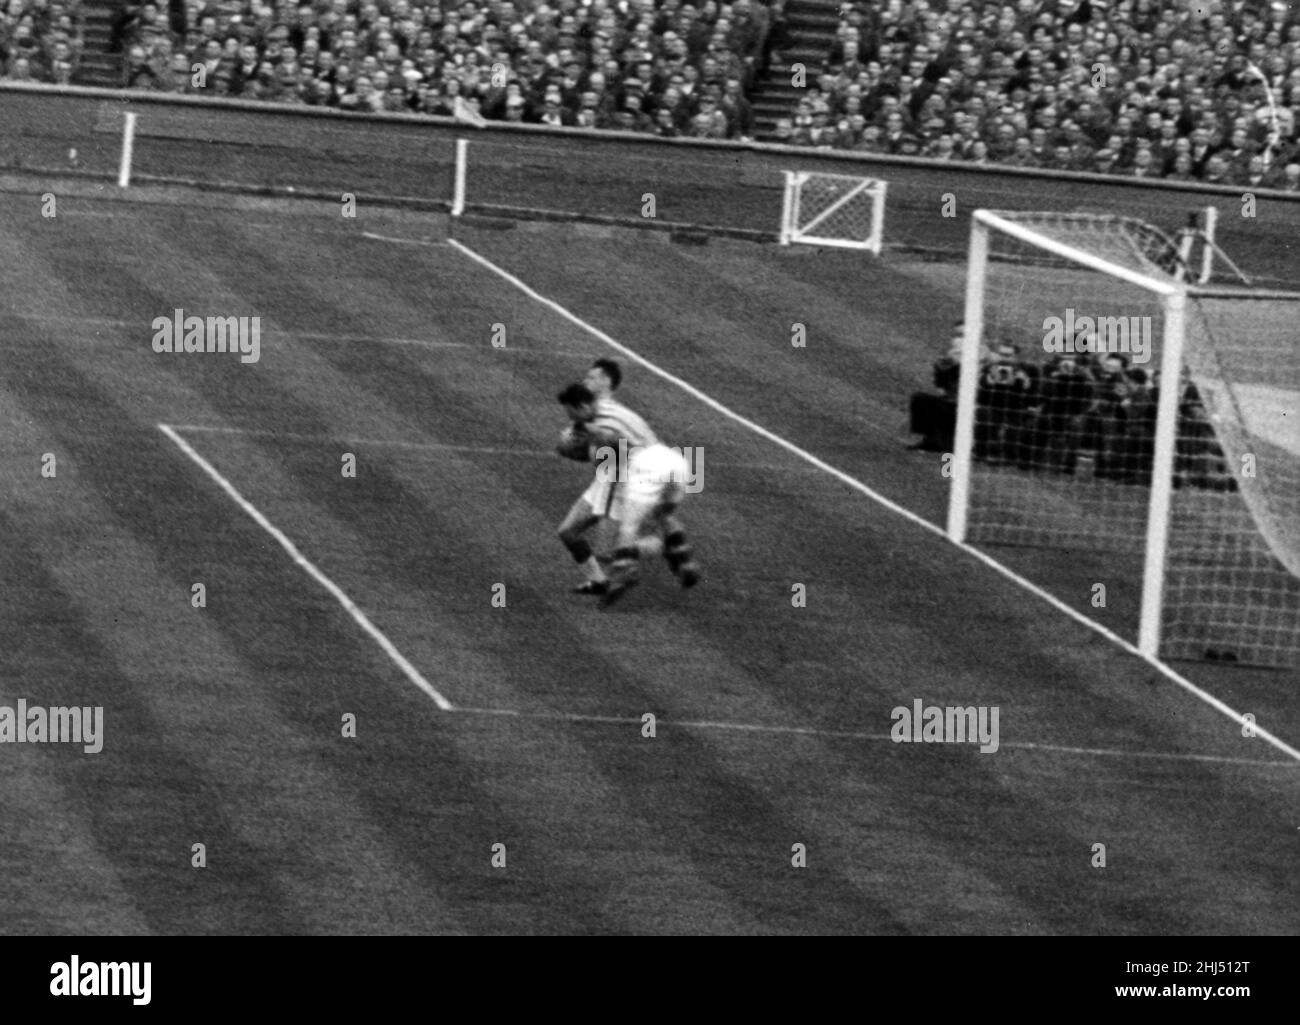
1021,263
838,210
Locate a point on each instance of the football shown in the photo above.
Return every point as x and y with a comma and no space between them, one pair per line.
573,444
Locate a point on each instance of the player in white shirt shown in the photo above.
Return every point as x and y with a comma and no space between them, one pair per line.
650,482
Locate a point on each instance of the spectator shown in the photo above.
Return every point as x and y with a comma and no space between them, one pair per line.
737,110
1144,164
1255,176
1006,389
552,114
390,55
1122,409
1105,161
987,76
711,123
934,417
139,75
1055,417
1175,82
1216,171
639,120
1182,170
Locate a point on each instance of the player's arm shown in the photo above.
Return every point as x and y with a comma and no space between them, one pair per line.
599,442
601,435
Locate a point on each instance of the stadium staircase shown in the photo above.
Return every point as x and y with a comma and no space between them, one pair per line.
810,31
98,66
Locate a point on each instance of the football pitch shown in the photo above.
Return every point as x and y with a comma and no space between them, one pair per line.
370,508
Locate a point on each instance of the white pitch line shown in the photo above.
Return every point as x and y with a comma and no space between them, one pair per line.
1109,752
432,243
293,336
349,606
875,496
314,336
425,343
420,446
811,731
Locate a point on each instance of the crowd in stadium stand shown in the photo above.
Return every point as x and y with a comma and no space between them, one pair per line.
1052,416
1181,91
668,69
1188,91
40,40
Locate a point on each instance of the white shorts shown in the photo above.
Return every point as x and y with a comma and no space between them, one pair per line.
600,496
656,479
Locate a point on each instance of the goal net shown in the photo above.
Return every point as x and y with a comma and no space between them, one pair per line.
1130,441
833,210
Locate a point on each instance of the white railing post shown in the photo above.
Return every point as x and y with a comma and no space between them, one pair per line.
458,182
878,217
1207,253
128,148
787,200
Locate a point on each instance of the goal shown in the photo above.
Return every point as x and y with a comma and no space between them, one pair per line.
1131,441
833,210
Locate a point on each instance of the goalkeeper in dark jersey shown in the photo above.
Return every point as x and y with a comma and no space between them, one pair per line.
596,503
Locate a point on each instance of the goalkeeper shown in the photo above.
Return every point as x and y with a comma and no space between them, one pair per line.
596,503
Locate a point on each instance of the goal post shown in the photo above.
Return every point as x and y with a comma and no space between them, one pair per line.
833,210
1141,427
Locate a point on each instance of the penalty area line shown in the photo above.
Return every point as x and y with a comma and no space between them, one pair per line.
813,731
349,606
1167,671
376,237
426,446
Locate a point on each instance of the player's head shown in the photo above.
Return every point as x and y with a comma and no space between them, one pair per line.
578,401
604,377
1116,364
958,341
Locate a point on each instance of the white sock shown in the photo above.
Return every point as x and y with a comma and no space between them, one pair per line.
592,571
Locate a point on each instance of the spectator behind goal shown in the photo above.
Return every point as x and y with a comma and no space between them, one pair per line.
1054,428
934,417
1126,422
1004,397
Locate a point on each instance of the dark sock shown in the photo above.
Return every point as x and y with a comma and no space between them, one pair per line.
630,554
677,550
